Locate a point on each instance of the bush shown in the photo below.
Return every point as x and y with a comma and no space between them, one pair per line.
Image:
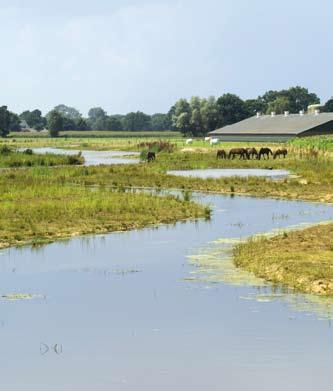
4,150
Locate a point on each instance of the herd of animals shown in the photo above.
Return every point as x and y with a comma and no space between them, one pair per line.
251,153
242,153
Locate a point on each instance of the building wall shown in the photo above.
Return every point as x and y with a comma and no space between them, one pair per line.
255,138
325,129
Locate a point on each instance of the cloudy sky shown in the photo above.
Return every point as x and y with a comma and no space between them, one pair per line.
129,55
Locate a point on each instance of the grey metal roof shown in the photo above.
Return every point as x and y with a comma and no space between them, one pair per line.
279,124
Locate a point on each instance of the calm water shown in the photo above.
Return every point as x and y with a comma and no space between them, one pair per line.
117,312
93,158
230,172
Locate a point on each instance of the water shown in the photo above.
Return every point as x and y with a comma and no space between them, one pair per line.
93,158
231,172
117,312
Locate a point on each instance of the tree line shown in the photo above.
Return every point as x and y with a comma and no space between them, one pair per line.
196,116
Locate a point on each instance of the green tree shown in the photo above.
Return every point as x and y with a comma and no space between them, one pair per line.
34,119
231,109
183,123
14,123
254,106
279,105
82,124
68,112
328,107
55,123
136,121
196,122
160,121
299,98
4,121
209,114
181,116
114,123
97,118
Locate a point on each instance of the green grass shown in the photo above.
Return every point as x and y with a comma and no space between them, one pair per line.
302,260
11,158
38,206
323,143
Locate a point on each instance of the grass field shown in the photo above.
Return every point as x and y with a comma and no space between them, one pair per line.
9,157
301,259
38,206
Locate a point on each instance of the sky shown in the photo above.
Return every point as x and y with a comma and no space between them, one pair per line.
129,55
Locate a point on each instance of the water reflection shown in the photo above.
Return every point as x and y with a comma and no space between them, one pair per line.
93,158
216,173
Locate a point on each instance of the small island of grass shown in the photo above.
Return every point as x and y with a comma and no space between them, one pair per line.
302,260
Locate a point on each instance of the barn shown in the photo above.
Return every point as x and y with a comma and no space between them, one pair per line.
277,127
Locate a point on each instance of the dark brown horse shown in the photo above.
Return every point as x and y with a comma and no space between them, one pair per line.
252,152
151,156
241,152
221,154
265,152
280,152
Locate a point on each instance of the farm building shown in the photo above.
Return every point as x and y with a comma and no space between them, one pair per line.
277,127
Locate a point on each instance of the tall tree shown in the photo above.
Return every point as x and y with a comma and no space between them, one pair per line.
136,121
160,121
254,106
299,98
181,116
209,114
4,121
328,107
279,105
55,123
34,119
97,118
14,122
114,123
231,108
68,112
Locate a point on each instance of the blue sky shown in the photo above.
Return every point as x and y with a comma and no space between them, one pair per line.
129,55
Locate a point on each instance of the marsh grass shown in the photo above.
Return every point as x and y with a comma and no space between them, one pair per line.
302,260
37,209
9,157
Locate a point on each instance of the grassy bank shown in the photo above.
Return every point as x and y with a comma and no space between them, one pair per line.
313,180
37,210
302,260
11,158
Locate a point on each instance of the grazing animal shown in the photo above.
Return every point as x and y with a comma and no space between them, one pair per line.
280,152
207,138
241,152
189,141
253,153
151,156
221,154
265,152
214,141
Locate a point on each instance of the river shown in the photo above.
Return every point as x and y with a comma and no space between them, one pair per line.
133,311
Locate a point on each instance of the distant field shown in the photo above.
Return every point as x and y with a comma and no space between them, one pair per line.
324,143
98,134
